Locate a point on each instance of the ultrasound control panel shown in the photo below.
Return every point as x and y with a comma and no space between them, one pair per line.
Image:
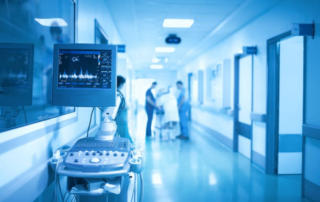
90,155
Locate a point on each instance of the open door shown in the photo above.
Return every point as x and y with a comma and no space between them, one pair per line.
290,105
285,104
243,102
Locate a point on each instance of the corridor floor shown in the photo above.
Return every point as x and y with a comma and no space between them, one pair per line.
203,170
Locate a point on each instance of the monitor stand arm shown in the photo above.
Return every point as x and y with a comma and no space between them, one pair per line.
108,126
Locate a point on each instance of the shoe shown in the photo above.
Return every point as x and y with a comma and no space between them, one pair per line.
179,136
183,138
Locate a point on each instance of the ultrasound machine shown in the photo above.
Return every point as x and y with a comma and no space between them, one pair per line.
104,168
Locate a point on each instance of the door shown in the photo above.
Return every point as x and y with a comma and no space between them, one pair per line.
189,93
244,125
243,104
290,113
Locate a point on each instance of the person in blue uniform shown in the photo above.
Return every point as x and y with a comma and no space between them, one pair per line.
150,106
122,119
183,106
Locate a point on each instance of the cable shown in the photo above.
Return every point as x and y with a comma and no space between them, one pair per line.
90,122
57,180
68,197
134,189
60,186
64,196
25,114
141,191
53,195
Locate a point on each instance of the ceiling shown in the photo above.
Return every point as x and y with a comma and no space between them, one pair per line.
139,23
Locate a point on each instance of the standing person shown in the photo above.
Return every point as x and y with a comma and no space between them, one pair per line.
122,119
150,106
183,106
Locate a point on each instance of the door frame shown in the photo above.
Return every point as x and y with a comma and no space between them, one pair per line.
247,52
189,94
273,81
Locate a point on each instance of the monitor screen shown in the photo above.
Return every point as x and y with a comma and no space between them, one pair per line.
16,74
14,68
85,69
84,75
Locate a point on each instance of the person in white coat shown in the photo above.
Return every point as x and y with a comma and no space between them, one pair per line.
170,119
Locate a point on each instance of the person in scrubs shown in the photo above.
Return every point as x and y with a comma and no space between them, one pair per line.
150,106
183,106
122,119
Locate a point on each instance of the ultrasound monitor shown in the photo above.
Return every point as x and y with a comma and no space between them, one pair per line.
84,75
16,74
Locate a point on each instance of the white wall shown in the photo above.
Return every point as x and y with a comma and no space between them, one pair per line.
272,23
88,12
164,78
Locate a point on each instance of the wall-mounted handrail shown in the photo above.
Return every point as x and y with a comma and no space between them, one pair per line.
258,117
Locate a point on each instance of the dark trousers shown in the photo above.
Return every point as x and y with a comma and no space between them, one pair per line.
184,120
149,122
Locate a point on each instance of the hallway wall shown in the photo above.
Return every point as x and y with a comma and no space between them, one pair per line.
256,33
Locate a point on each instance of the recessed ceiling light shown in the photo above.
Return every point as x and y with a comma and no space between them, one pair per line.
156,66
178,23
165,49
155,60
51,22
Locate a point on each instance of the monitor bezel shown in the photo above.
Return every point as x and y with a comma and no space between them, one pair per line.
84,97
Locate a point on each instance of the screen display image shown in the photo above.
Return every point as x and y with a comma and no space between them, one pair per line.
14,68
84,69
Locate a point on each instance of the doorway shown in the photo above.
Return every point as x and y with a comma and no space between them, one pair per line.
189,93
285,104
243,102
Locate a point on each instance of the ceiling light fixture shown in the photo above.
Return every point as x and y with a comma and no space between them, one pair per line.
51,22
178,23
165,49
156,66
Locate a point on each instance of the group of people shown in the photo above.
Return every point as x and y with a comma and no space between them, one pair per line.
174,109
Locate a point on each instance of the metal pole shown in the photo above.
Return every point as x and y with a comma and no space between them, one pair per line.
135,188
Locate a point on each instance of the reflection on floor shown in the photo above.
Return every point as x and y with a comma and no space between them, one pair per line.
203,170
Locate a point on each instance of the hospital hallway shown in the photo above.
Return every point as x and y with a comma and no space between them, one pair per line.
204,170
159,101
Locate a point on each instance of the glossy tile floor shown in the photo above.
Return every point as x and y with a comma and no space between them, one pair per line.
203,170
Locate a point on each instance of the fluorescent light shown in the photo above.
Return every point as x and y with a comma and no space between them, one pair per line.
155,60
156,66
51,22
165,49
178,23
166,60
